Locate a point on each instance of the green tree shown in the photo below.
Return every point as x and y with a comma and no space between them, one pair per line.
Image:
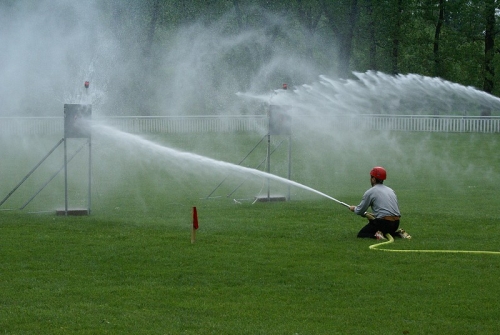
489,45
437,36
342,16
396,36
309,15
454,40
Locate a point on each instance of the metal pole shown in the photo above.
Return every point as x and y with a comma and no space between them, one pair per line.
289,163
29,174
65,178
51,178
258,167
208,196
268,166
90,176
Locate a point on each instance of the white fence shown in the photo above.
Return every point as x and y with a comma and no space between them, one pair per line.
188,124
224,123
455,124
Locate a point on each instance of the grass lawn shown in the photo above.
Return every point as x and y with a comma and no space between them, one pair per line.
291,267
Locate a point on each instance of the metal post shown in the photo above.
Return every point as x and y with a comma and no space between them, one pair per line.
31,172
65,178
90,176
68,160
289,163
268,166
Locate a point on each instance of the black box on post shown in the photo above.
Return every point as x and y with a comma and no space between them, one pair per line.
280,120
77,120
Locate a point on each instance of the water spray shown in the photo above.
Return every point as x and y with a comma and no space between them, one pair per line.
332,198
187,156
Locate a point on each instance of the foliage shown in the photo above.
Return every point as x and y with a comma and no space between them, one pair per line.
463,28
158,57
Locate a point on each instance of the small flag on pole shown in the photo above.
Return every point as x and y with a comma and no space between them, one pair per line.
195,225
195,218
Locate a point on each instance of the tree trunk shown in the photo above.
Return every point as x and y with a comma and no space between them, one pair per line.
309,18
396,38
345,41
373,41
489,46
152,27
438,72
239,15
342,25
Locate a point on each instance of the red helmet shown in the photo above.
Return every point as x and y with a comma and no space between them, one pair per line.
379,173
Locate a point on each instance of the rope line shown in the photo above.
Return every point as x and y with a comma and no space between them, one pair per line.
391,240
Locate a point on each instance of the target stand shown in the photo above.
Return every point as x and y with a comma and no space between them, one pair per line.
280,123
76,126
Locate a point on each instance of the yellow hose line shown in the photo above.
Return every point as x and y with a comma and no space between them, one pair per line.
391,240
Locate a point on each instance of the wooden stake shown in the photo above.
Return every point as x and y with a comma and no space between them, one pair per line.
193,235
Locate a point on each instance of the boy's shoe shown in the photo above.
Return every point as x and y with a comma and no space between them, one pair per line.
403,234
379,236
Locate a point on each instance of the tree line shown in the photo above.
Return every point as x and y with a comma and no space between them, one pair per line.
450,39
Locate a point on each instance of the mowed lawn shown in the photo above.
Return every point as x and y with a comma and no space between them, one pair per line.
291,267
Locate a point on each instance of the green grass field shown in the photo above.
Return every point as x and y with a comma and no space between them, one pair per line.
256,268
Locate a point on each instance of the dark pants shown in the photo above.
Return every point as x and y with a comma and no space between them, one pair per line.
384,226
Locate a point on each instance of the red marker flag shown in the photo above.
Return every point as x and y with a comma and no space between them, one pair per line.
195,225
195,218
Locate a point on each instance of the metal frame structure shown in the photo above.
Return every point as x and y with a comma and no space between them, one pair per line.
279,122
76,125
